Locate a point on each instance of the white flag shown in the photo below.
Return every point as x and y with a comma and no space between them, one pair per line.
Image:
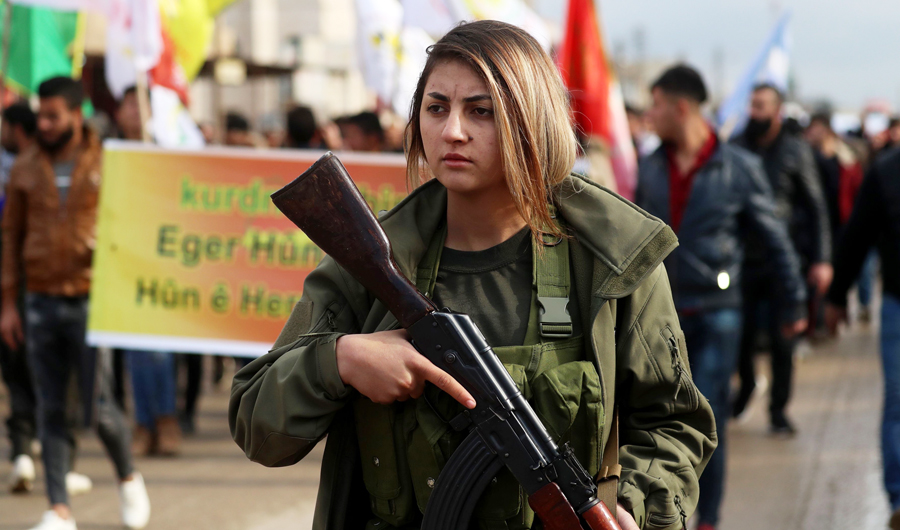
99,6
414,43
171,124
133,42
379,24
433,16
513,12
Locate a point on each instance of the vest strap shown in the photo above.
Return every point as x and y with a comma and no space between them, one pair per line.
550,274
610,470
551,278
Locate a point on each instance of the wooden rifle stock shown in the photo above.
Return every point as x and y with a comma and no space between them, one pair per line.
325,203
556,513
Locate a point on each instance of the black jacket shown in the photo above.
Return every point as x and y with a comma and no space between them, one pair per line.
875,221
730,197
799,200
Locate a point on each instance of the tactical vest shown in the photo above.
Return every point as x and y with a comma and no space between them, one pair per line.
405,445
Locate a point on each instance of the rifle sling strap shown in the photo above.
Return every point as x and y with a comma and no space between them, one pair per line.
610,470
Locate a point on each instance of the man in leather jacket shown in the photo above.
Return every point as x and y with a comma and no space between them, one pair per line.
799,201
710,193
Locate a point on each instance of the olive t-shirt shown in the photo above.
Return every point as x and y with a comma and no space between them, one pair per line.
492,286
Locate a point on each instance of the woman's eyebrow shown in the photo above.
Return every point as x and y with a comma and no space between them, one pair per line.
471,99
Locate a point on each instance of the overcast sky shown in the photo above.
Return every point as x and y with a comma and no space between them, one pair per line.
847,51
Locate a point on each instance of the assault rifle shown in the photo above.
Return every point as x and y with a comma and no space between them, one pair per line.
327,206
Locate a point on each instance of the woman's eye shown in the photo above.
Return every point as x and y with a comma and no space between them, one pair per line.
483,111
434,109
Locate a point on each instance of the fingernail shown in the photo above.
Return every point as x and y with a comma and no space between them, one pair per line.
470,404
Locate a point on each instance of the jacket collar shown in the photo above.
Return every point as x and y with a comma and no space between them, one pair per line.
658,156
85,154
627,242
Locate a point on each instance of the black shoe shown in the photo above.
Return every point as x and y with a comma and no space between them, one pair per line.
781,425
187,424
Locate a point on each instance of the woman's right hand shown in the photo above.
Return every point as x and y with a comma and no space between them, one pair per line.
385,368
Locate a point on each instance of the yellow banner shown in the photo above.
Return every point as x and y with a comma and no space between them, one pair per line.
192,256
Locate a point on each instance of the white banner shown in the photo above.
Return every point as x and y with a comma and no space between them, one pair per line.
133,42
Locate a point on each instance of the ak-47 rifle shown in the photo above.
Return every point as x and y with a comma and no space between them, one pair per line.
327,206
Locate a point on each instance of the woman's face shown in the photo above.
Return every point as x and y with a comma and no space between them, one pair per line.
458,131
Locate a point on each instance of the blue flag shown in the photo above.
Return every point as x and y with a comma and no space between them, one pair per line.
771,65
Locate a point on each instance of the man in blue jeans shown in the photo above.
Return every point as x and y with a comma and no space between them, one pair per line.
49,231
875,222
711,193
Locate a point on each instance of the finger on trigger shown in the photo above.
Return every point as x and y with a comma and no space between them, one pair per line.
445,382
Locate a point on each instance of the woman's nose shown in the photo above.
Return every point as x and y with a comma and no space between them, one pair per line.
453,129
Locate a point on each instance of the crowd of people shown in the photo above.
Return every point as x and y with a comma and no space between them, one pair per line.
757,217
774,225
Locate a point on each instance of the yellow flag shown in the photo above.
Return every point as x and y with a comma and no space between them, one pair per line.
190,24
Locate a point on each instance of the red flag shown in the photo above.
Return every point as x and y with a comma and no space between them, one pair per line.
168,72
599,110
582,63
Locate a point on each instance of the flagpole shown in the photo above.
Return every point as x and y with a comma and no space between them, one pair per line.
143,104
4,61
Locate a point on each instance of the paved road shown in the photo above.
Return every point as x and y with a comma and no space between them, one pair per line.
828,477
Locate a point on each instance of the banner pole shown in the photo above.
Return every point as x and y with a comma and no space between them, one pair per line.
143,105
4,61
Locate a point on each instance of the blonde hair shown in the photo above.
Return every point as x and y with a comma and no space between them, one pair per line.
531,113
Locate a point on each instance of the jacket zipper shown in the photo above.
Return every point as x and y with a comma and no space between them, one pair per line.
682,512
672,343
324,326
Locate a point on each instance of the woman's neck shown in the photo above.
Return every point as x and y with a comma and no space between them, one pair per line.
482,220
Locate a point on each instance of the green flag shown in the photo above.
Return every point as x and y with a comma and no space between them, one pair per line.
41,46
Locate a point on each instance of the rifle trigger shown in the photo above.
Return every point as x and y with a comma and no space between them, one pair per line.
460,421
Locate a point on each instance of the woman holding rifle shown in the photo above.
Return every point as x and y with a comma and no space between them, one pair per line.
564,278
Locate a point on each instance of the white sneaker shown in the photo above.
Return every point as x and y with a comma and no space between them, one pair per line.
77,484
759,391
22,478
135,502
52,521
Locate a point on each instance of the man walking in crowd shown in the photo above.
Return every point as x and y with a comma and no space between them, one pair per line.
727,191
48,230
794,179
19,130
841,173
876,222
19,126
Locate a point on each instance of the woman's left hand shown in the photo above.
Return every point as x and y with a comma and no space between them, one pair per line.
625,519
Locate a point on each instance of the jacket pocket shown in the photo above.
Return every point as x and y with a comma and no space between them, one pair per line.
668,509
569,402
383,470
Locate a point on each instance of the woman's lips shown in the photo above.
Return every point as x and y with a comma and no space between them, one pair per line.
456,161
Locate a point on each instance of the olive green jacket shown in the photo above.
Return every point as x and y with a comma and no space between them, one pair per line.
283,403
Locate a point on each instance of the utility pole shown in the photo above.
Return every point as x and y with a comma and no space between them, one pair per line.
640,63
718,74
